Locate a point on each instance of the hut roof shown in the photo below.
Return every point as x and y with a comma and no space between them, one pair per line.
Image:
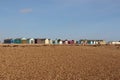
8,39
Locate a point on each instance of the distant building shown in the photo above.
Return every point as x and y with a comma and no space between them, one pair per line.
8,41
71,41
114,42
37,40
43,41
92,42
56,41
20,41
83,41
101,41
51,41
31,41
23,40
65,41
60,42
17,41
47,41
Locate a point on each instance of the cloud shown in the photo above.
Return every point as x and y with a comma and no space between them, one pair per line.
26,10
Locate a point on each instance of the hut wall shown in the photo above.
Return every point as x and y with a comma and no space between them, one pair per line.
115,42
24,41
17,41
66,42
91,42
56,41
8,41
60,42
47,41
42,41
83,41
37,41
94,42
70,42
51,41
102,42
88,42
75,41
31,41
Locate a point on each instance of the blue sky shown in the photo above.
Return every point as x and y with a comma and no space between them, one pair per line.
65,19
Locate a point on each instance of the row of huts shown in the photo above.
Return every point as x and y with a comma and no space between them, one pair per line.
38,41
114,42
27,41
92,42
50,41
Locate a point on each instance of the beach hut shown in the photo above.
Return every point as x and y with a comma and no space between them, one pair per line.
8,41
91,42
102,41
31,41
17,41
47,41
37,40
60,42
23,40
51,41
71,42
114,42
94,42
78,42
75,41
83,41
56,41
66,41
42,41
110,42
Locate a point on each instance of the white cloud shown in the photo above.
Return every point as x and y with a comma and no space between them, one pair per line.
26,10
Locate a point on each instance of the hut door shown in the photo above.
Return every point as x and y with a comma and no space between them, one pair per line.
24,41
32,42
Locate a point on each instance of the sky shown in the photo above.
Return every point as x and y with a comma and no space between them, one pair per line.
65,19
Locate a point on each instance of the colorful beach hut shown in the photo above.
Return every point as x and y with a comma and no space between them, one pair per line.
23,40
31,41
37,40
17,41
8,41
